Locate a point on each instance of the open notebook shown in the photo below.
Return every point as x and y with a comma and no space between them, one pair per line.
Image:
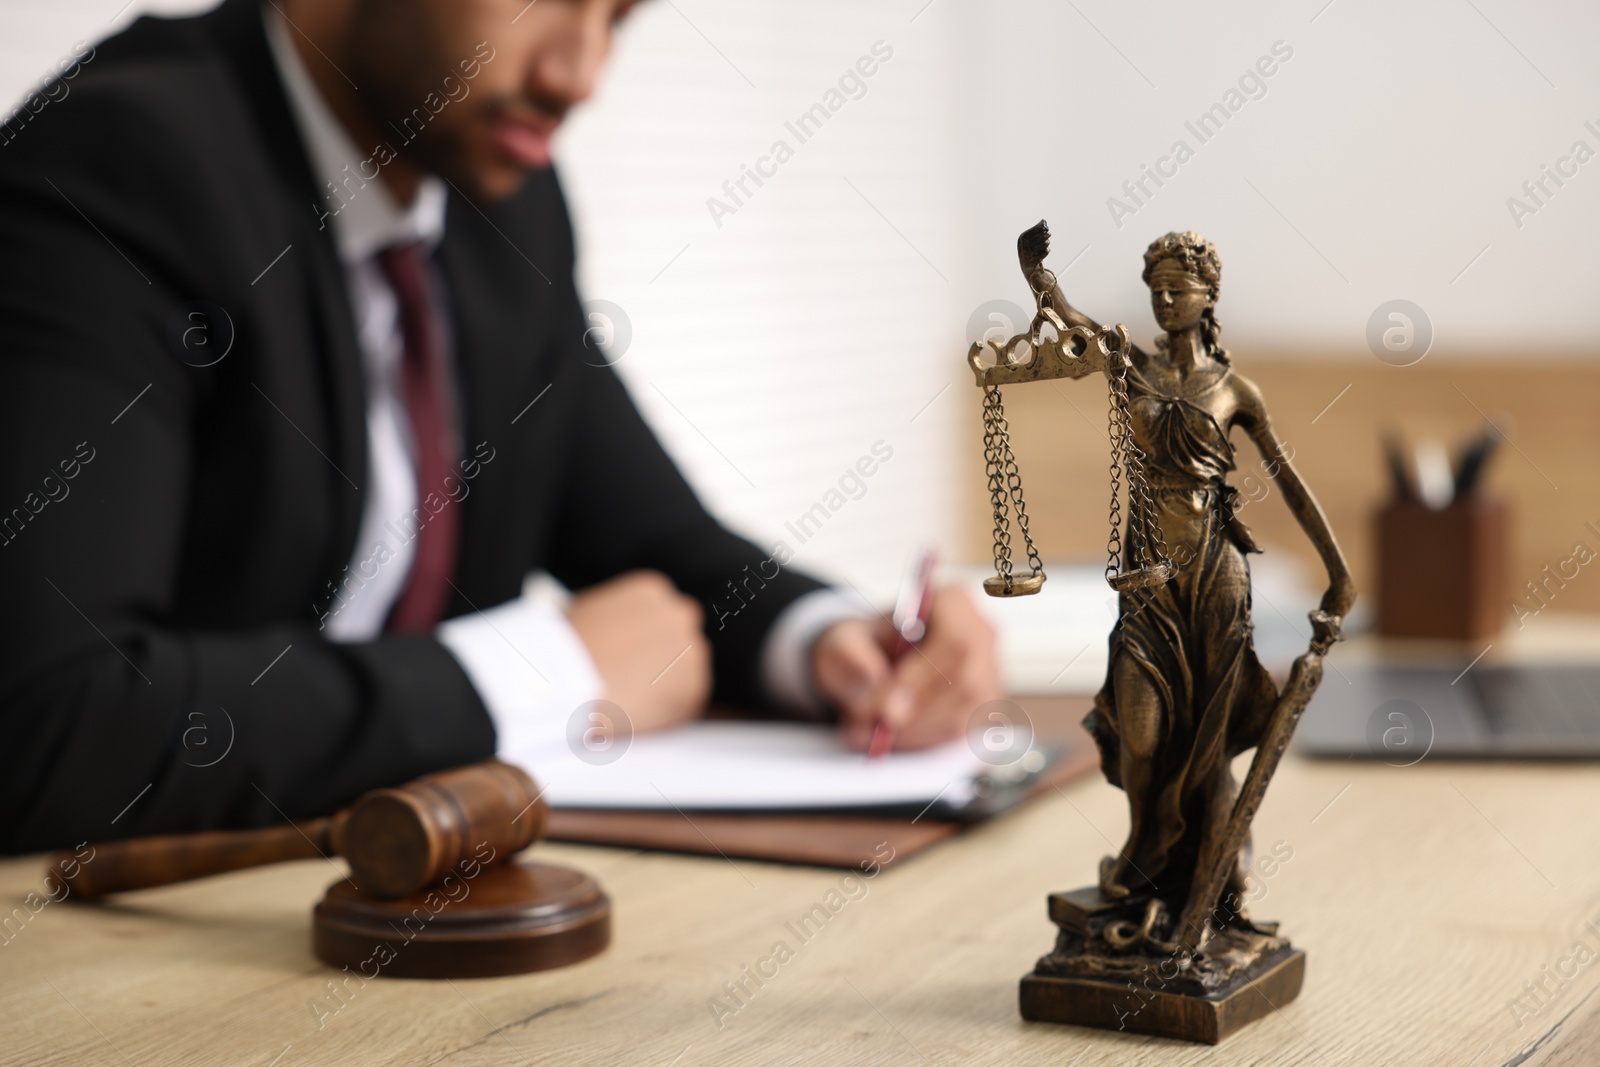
828,836
781,766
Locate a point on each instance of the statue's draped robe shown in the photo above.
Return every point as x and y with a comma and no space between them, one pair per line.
1191,636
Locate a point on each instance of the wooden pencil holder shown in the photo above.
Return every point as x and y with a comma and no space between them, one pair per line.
1442,574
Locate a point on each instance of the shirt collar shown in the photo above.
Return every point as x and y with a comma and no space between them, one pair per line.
362,211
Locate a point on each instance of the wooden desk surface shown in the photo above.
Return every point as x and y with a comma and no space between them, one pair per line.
1426,897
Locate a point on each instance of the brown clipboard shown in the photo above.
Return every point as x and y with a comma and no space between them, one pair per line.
824,840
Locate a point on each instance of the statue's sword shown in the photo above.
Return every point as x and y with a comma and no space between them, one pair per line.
1304,677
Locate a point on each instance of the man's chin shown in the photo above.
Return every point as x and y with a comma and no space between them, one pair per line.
491,182
502,183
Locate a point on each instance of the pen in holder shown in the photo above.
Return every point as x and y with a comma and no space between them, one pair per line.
1442,548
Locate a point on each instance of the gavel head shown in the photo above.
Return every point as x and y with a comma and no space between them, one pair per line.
399,841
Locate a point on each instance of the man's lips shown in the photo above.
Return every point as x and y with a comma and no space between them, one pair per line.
527,143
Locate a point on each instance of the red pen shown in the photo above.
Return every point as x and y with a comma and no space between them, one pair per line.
910,620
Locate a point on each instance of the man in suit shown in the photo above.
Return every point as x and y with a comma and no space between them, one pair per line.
295,397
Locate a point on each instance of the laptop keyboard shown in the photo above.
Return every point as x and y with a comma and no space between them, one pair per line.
1545,701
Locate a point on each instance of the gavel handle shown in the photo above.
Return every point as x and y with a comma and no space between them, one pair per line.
142,862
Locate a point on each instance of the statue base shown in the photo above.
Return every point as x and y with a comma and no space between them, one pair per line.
1242,973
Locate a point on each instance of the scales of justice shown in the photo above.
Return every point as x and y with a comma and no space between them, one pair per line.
1162,944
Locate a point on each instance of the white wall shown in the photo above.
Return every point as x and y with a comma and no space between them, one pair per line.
787,338
830,308
34,34
1390,141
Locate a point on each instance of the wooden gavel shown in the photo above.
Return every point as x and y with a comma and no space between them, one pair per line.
397,841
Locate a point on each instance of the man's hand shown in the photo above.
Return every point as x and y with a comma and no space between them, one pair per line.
928,696
645,638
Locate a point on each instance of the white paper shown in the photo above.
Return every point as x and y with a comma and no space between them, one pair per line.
753,765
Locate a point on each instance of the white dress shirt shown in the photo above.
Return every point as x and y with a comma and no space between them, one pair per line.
523,657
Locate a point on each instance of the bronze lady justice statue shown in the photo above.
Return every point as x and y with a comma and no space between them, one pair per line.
1162,943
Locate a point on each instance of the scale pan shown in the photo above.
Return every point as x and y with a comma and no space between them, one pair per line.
1021,585
1140,578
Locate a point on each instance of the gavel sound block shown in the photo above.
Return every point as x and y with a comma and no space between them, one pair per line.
431,893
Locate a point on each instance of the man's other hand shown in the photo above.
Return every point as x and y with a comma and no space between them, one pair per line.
929,694
645,638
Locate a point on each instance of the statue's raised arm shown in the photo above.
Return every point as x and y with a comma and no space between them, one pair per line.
1060,342
1033,245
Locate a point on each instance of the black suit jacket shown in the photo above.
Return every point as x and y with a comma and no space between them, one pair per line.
208,508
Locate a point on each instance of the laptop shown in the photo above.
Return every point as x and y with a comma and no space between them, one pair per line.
1401,714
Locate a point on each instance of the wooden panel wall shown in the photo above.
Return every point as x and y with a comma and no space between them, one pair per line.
1550,475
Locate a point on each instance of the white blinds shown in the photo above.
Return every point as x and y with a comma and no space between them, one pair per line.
784,330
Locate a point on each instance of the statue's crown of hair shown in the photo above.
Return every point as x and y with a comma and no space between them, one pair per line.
1193,253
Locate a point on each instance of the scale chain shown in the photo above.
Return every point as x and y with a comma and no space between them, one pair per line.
1005,489
1127,459
1116,430
993,429
1014,483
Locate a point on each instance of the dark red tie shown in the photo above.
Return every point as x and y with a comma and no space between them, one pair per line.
425,386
